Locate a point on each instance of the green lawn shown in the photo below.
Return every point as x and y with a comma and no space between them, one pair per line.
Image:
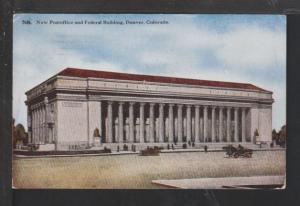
133,171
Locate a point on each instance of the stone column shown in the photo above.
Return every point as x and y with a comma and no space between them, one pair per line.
236,119
179,121
131,122
171,123
100,120
33,125
197,124
121,122
47,138
29,124
220,124
42,124
151,121
213,124
188,123
45,125
243,124
142,123
161,122
228,131
36,126
38,122
205,108
110,122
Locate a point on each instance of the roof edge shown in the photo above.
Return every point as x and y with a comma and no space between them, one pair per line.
81,70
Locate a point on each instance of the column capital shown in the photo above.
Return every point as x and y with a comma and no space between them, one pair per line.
46,100
213,106
179,105
131,103
161,104
142,104
243,108
110,102
188,105
197,106
121,103
171,104
152,104
221,107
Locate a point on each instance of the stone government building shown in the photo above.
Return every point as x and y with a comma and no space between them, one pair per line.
77,108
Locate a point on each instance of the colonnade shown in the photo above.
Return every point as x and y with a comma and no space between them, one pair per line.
38,123
168,122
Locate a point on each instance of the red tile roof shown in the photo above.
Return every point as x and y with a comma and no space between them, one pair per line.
74,72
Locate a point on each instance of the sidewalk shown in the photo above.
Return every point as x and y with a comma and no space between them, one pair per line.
224,182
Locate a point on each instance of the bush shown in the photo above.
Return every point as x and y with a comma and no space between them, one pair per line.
107,150
36,147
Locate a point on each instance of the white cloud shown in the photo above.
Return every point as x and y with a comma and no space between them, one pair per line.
251,46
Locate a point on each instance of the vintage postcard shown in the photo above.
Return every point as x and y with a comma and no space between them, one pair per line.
132,101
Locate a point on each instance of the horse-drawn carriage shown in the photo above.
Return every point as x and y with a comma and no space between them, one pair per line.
239,151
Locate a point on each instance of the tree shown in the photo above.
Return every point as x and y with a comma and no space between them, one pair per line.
274,135
282,136
19,134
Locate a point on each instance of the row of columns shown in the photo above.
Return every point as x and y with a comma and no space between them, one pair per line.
38,119
179,123
40,124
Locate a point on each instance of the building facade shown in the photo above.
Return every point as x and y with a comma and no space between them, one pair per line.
77,108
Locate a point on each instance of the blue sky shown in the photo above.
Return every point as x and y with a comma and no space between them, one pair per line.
240,48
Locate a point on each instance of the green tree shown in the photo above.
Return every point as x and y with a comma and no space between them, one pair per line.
274,135
282,136
19,134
